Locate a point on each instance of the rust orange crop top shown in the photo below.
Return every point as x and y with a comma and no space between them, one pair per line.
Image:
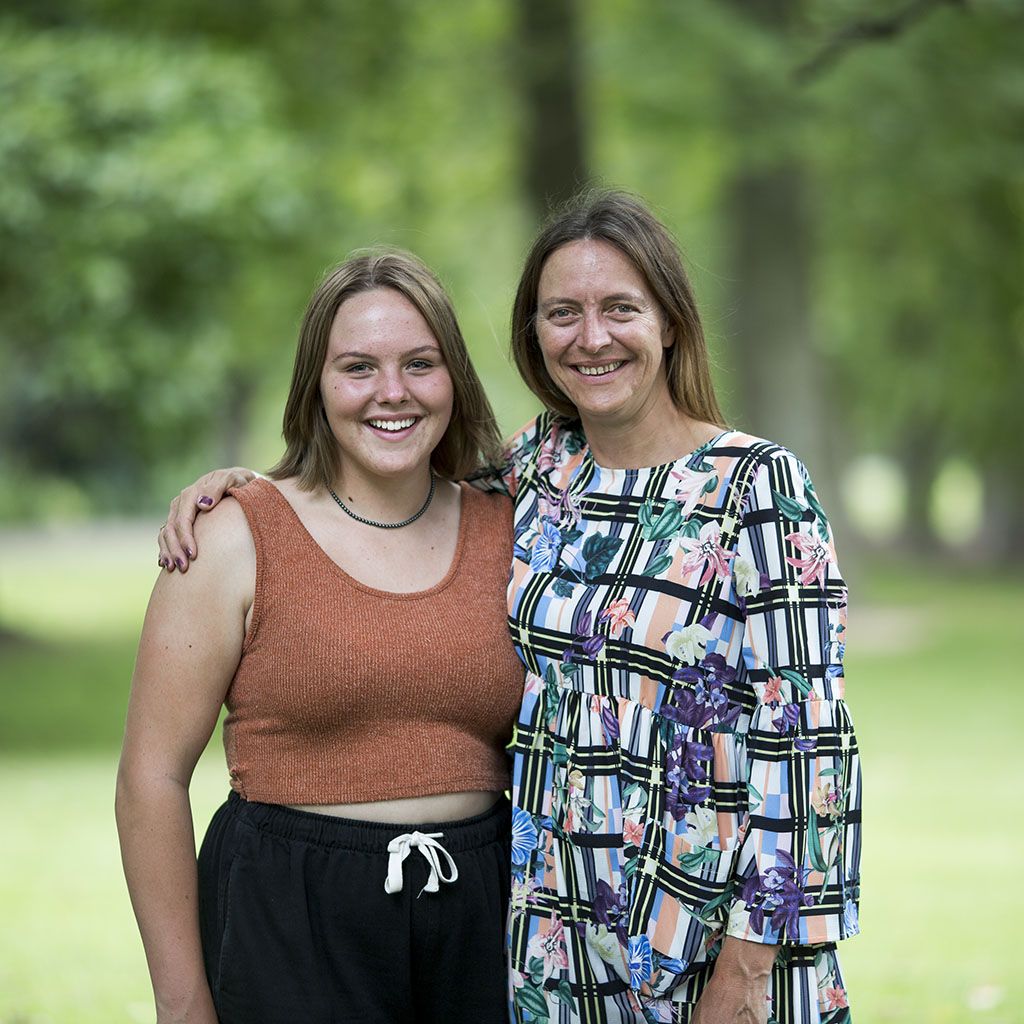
347,694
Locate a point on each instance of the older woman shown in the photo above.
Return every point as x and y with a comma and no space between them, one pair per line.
686,781
686,784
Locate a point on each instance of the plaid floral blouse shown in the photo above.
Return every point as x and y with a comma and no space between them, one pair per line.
684,767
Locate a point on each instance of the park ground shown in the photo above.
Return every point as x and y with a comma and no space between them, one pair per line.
933,680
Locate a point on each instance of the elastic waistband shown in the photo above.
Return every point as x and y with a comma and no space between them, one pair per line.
369,836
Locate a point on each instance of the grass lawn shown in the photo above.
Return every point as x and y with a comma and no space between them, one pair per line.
931,667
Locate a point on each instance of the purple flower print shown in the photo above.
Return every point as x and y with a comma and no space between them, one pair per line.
590,641
610,723
707,704
684,775
611,908
778,893
788,716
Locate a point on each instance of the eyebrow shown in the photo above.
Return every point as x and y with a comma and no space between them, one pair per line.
355,354
614,297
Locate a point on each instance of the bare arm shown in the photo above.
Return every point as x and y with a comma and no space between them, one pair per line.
190,646
176,538
736,993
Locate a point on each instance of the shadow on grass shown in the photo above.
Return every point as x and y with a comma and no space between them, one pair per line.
63,697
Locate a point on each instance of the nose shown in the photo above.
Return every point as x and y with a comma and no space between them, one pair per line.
391,387
593,333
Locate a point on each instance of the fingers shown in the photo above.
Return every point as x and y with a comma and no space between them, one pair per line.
176,539
175,550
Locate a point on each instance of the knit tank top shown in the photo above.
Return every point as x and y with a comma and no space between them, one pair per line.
346,694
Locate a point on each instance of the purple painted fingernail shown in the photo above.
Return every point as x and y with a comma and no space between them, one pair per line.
180,563
189,552
160,562
205,501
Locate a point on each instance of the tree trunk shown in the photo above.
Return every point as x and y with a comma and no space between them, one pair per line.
779,378
553,145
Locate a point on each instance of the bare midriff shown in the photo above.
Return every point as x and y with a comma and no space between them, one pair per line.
414,810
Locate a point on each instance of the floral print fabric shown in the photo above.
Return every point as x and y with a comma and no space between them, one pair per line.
684,767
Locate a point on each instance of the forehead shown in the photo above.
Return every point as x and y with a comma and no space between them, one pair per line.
589,266
381,317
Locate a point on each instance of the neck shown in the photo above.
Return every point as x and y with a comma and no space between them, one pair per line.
654,440
383,500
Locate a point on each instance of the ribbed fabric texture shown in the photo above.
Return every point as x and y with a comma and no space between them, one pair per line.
347,694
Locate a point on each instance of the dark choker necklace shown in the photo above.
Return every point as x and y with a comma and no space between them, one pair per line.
388,526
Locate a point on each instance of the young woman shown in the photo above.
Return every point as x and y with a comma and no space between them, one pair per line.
360,868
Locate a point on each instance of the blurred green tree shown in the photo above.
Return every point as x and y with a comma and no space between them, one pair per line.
136,181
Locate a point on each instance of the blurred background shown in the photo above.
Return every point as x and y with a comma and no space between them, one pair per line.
846,179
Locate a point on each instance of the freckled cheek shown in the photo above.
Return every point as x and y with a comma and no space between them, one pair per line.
552,345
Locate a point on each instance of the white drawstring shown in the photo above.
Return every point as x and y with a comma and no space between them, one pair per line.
400,848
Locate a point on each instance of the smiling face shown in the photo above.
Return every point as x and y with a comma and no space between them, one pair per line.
385,387
603,337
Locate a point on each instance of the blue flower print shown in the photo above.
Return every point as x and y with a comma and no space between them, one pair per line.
640,964
524,837
546,549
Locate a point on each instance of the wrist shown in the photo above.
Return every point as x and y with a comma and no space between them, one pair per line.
745,962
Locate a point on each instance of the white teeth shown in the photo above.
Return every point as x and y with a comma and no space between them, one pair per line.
392,425
599,371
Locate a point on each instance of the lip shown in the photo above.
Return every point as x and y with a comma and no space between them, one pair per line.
391,433
615,365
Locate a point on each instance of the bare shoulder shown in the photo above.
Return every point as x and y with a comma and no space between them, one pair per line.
224,532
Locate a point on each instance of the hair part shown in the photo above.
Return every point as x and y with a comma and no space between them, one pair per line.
622,220
311,449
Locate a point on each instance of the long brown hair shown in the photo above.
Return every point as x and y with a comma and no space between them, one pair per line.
622,220
311,452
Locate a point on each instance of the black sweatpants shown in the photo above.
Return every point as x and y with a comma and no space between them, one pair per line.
296,925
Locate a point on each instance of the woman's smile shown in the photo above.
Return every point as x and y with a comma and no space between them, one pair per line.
386,389
603,336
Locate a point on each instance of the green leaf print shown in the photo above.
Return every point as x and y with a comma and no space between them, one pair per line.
812,500
814,843
598,551
664,525
564,994
530,998
712,905
563,588
646,516
658,565
693,860
791,508
550,694
797,680
536,969
691,528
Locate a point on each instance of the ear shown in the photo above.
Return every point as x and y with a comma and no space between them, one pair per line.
668,335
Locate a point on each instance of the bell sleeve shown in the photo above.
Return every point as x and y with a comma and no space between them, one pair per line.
797,867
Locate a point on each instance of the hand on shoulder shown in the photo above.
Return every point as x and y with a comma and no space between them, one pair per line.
176,538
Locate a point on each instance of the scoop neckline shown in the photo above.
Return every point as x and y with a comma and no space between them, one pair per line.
710,443
445,581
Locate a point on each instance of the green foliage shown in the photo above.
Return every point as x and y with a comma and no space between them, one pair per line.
135,177
923,234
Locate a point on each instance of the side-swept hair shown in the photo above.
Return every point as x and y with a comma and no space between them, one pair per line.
622,220
311,452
